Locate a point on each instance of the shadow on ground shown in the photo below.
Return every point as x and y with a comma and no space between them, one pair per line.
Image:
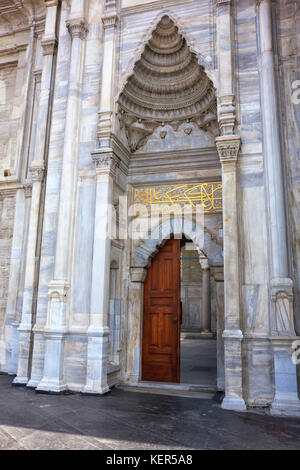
127,420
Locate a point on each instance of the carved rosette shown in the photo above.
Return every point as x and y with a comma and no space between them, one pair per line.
228,149
106,164
37,172
77,28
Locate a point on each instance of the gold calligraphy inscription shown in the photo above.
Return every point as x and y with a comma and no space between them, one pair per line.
175,198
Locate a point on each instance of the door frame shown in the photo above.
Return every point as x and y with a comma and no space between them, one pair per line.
141,260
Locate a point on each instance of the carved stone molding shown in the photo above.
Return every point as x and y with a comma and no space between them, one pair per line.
105,163
138,274
58,290
221,3
105,124
77,28
49,45
227,114
37,171
228,148
282,306
27,189
37,76
110,20
168,86
51,3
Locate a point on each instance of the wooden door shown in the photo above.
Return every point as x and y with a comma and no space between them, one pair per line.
161,320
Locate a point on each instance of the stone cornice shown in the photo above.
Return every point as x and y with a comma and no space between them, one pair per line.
77,28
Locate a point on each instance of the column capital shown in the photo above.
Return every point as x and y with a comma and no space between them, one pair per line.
105,163
27,189
138,274
77,28
228,148
49,45
37,171
110,20
204,263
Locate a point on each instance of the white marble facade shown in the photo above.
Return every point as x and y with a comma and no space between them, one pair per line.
70,298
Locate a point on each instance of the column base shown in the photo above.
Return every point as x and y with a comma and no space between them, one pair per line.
20,381
33,383
97,391
51,386
281,407
234,404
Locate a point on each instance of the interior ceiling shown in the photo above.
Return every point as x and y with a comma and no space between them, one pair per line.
168,86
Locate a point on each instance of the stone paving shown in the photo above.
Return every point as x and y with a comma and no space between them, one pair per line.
127,420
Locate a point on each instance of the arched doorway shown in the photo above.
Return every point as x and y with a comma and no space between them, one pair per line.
173,351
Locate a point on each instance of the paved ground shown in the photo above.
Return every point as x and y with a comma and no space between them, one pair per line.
127,420
198,361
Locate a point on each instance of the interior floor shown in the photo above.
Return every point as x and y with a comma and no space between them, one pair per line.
198,361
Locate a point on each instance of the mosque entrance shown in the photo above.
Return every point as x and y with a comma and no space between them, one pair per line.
161,321
179,337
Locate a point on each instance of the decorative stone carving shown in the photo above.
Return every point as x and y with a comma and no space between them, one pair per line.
77,28
105,163
228,148
27,189
37,171
168,86
49,45
58,290
282,303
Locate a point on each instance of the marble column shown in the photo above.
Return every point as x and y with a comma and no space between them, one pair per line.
206,300
58,294
286,400
107,102
15,273
49,44
228,146
27,319
98,331
135,324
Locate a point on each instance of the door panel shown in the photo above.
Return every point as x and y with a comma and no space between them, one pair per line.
161,318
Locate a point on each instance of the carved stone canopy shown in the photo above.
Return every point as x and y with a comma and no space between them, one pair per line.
168,86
